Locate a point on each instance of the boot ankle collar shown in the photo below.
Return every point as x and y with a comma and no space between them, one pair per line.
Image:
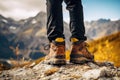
58,43
77,42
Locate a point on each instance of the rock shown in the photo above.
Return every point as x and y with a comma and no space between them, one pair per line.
51,71
116,78
92,65
94,73
32,65
41,71
5,65
104,78
118,73
109,64
119,69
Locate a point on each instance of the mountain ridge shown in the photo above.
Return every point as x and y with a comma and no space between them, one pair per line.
30,33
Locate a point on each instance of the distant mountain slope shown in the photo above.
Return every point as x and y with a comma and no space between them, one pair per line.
102,27
29,34
4,48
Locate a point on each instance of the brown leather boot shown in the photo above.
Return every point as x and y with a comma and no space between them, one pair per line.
80,54
56,55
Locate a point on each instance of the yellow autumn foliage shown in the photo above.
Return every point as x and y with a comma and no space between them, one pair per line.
105,49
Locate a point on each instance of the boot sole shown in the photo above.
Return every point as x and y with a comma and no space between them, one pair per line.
56,62
80,60
59,62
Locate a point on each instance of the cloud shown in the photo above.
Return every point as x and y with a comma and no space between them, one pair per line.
19,9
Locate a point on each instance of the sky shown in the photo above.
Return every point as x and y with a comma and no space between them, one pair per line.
93,9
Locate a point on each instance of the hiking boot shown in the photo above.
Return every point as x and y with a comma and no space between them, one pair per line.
80,54
56,55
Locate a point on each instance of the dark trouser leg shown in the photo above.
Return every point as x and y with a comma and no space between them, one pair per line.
54,19
76,19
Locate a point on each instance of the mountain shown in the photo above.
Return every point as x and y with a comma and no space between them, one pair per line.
28,38
28,35
101,28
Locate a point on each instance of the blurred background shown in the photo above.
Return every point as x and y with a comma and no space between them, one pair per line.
23,29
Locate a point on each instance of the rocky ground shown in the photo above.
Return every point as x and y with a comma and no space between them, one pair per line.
41,71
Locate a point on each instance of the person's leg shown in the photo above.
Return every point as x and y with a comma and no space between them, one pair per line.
79,52
56,54
76,19
54,19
